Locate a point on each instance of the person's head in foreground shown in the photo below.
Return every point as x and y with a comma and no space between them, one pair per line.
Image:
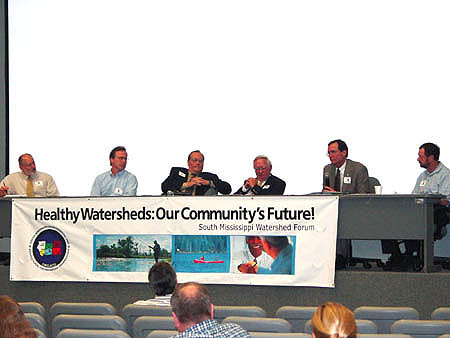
333,320
13,323
191,304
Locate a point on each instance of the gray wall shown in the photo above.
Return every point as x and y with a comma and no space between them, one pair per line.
3,116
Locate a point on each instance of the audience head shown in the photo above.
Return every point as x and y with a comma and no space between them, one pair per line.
162,278
333,320
13,323
195,161
27,165
263,167
191,304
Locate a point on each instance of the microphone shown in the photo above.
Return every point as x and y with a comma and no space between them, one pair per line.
327,179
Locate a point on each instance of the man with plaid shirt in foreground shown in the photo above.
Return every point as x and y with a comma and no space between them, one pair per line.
193,313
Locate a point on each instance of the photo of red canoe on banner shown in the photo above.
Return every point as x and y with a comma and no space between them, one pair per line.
202,260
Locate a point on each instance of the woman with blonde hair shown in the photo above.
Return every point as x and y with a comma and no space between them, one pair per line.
333,320
13,323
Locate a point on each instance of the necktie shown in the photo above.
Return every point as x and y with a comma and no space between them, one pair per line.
30,191
194,190
337,180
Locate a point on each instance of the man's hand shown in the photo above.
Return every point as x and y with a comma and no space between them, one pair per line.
3,191
248,267
444,202
250,183
328,189
197,181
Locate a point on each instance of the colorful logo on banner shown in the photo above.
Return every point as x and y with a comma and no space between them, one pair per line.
49,248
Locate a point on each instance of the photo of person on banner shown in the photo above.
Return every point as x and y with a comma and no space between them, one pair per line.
279,248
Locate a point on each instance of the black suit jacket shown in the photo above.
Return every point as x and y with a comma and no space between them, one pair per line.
273,186
179,175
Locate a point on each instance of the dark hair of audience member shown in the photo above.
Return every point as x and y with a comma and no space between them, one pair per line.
13,323
333,320
191,303
162,278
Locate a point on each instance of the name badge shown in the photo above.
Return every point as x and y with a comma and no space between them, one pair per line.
347,180
118,191
182,174
38,183
266,186
423,183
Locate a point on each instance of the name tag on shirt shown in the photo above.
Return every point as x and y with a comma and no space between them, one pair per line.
118,191
182,174
38,183
347,180
423,183
266,186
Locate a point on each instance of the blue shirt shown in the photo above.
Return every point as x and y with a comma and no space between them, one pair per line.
123,183
282,264
437,182
211,329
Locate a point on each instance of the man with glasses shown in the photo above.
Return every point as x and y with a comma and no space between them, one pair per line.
264,183
117,181
343,175
194,181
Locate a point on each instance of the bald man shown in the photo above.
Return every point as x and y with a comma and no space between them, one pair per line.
28,181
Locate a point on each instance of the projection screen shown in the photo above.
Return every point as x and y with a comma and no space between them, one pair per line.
234,79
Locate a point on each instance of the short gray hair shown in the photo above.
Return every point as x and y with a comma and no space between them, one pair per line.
263,157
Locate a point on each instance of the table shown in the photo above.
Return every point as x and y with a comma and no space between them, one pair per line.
361,216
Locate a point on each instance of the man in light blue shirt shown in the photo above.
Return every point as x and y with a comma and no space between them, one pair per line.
434,180
117,181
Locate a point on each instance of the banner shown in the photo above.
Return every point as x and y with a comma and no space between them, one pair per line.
276,240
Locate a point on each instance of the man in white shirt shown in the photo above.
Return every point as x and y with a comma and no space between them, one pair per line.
28,182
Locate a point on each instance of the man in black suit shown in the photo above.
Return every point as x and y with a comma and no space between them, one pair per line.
194,181
264,183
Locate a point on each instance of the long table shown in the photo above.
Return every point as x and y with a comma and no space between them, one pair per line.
361,216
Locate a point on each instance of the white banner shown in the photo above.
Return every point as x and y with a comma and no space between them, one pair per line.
285,240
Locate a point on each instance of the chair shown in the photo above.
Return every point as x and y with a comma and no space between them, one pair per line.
142,326
33,307
77,333
221,311
96,322
384,317
39,333
37,322
366,261
81,309
421,328
162,334
296,315
363,326
440,313
260,324
279,335
132,311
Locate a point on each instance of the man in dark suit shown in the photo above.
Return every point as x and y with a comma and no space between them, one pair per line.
264,183
343,175
194,181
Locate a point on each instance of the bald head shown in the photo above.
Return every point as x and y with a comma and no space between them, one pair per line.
191,303
27,165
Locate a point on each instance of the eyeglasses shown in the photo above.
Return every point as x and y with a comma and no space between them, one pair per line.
331,152
199,160
260,168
